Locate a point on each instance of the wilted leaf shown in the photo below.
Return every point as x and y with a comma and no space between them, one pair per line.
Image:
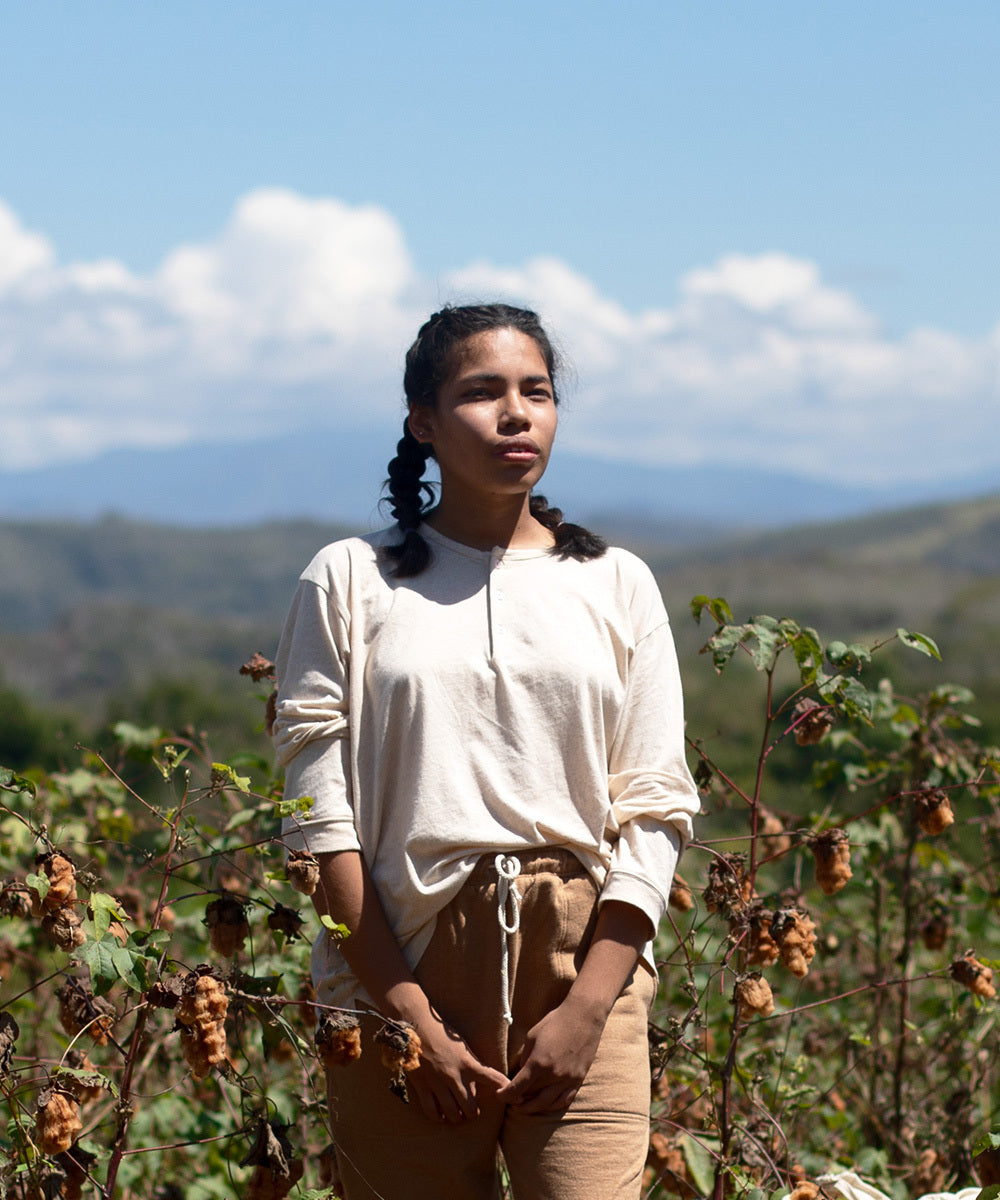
919,641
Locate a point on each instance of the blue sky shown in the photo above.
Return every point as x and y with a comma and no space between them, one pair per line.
779,214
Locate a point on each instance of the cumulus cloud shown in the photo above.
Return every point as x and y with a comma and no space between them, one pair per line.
297,315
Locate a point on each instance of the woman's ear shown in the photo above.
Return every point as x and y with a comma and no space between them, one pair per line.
420,424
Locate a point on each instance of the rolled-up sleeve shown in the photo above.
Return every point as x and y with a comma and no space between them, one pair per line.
312,722
653,796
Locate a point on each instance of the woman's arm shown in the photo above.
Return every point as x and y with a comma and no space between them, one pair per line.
559,1050
450,1080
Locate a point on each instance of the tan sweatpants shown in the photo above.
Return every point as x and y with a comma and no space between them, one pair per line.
595,1150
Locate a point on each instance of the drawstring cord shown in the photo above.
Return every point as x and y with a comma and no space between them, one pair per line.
508,868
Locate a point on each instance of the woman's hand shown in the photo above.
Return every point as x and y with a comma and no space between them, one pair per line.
450,1084
559,1050
556,1057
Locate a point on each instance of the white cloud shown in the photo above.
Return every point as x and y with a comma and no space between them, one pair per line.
297,315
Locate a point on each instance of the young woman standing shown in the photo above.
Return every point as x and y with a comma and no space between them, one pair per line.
484,703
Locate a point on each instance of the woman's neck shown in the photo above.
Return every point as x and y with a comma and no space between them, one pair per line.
507,522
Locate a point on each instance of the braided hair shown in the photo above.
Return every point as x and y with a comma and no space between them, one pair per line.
429,361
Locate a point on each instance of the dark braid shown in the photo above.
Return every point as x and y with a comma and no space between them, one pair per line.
406,491
429,362
572,541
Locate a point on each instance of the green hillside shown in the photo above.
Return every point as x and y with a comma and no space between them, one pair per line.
119,616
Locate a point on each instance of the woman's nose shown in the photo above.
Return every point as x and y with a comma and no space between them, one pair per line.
515,409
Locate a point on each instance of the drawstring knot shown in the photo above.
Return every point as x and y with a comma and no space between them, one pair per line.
508,868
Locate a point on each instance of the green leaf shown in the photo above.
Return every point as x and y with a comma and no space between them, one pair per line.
126,963
104,907
12,782
39,883
133,737
699,1163
808,653
243,817
989,1141
289,808
858,700
98,956
919,641
337,931
720,611
223,775
723,643
768,635
989,1193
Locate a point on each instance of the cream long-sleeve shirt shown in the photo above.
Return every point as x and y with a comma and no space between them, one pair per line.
499,701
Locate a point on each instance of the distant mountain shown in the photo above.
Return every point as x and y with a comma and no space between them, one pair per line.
96,609
336,476
49,568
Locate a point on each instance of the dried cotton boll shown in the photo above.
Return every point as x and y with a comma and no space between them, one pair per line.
329,1170
753,997
203,999
929,1174
81,1011
16,900
933,812
976,976
228,929
832,853
812,721
762,949
201,1015
266,1184
771,829
400,1053
665,1163
936,930
64,929
680,895
400,1047
795,934
302,869
285,920
805,1190
276,1172
57,1121
258,667
338,1039
61,875
203,1047
729,890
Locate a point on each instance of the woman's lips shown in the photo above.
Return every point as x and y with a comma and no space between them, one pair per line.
519,450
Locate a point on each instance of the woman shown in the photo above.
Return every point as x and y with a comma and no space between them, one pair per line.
484,703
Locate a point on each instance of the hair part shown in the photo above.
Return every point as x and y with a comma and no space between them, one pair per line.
429,362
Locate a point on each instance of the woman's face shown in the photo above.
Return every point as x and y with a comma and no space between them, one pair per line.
495,419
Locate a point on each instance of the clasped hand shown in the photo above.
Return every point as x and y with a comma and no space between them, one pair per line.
451,1084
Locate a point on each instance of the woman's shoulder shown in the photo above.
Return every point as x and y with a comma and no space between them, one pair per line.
339,560
624,567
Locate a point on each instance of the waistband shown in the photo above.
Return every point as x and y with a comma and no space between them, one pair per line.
547,860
